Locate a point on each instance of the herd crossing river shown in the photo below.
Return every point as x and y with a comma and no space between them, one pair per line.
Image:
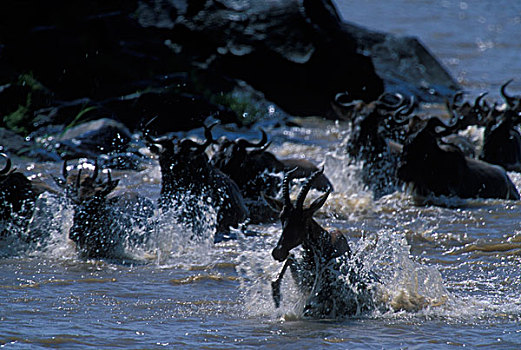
447,276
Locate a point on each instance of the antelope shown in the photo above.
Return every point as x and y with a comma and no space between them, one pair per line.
325,258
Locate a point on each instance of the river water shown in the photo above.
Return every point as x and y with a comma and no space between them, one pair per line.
450,277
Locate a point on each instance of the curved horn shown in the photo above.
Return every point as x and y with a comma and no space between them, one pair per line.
381,102
7,167
477,102
245,143
285,187
508,99
306,187
457,96
352,103
404,110
435,122
208,136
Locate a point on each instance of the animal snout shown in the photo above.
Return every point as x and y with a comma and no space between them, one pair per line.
279,253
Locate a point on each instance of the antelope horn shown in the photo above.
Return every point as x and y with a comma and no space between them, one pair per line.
404,110
285,187
7,167
508,99
306,187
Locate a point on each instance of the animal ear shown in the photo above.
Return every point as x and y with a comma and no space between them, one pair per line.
273,203
317,204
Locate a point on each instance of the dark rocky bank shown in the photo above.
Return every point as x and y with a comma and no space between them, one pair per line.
79,79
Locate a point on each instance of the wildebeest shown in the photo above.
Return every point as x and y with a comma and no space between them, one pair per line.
502,141
443,170
17,198
326,272
467,114
511,101
190,185
102,227
256,170
373,126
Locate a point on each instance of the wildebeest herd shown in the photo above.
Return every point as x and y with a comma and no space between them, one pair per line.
242,182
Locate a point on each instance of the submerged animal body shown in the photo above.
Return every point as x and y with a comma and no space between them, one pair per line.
326,273
444,170
191,186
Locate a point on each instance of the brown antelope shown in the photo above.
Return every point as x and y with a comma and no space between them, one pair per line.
324,272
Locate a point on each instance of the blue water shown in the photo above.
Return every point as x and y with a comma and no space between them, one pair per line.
451,278
477,41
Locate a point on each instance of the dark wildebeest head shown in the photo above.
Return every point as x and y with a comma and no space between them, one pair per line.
245,162
187,175
502,143
511,101
467,114
181,159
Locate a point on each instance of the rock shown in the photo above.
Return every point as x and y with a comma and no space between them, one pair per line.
182,60
294,52
14,144
93,138
405,64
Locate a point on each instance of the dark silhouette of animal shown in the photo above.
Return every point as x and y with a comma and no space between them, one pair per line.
502,141
443,170
256,170
102,227
326,272
511,101
190,184
17,198
372,127
467,114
